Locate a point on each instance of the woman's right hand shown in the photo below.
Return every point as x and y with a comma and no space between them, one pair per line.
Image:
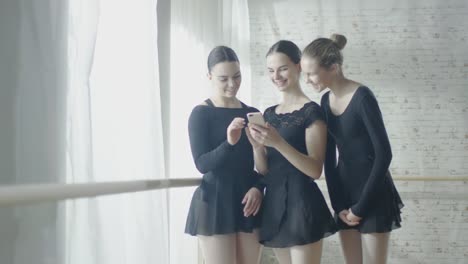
234,130
342,215
255,144
265,135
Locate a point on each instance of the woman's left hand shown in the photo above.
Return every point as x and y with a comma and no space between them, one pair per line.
265,135
352,217
252,201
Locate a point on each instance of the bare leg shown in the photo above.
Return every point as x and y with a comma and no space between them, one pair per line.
375,247
351,246
307,254
283,255
218,248
248,248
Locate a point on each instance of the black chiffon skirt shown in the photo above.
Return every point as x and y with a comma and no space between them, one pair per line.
294,213
216,208
385,215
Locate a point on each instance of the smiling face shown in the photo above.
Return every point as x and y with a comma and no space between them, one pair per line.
226,79
283,72
316,76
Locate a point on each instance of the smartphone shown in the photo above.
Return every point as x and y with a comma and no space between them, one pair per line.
256,118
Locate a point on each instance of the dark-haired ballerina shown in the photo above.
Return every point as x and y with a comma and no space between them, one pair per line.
224,209
290,151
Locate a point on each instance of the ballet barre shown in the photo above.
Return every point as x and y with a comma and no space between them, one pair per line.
38,193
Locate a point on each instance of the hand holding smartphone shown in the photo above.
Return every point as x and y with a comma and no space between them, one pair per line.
256,118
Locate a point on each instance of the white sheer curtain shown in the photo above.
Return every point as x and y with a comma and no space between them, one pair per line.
115,133
196,28
38,94
81,98
9,34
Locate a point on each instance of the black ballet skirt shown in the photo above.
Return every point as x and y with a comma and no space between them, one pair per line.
294,209
228,173
360,178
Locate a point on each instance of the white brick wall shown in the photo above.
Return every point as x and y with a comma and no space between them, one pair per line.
414,56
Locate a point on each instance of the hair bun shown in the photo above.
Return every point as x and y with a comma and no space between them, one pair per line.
339,40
